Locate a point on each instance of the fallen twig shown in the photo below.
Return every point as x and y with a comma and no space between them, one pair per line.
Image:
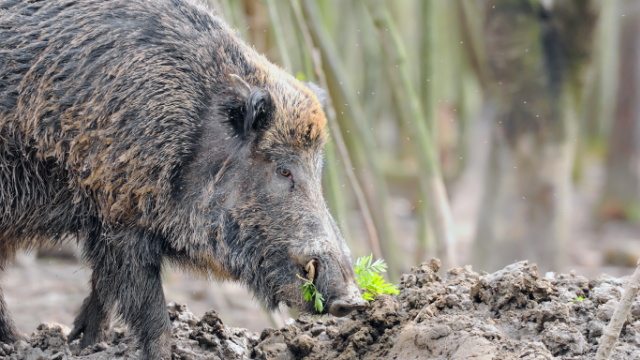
612,331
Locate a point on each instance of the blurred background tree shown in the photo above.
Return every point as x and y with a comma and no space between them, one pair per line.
536,55
621,191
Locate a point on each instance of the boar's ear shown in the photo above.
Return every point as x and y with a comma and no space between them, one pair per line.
257,108
240,85
318,91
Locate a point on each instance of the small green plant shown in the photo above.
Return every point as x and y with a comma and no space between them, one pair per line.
369,278
580,298
311,293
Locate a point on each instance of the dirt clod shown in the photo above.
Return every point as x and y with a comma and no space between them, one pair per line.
510,314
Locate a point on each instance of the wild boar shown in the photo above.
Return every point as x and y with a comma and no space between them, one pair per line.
151,133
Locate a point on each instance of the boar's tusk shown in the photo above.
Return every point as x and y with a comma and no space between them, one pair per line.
311,270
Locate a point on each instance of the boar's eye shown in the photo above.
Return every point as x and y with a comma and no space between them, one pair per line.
286,173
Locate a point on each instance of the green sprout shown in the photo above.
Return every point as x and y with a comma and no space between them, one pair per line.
311,293
369,278
580,298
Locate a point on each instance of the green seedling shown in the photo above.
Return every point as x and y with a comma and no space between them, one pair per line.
369,278
580,298
311,293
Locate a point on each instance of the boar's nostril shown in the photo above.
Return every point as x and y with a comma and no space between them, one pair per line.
341,308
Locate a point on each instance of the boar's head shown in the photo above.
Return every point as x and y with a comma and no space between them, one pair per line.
264,164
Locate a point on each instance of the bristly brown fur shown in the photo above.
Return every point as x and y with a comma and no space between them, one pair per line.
72,111
120,127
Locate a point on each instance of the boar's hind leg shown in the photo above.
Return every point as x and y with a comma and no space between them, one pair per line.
127,272
8,331
93,320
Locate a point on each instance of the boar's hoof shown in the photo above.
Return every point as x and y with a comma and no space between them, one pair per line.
342,308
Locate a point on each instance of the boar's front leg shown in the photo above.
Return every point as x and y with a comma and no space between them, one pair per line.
127,272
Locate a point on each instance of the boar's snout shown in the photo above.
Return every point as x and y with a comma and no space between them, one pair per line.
351,301
340,308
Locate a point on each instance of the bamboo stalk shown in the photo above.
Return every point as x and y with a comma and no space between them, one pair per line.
425,61
214,6
376,100
426,70
234,15
285,60
473,45
333,191
336,72
225,10
414,123
612,331
425,246
305,58
337,134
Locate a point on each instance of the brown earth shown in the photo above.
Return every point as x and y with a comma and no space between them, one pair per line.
510,314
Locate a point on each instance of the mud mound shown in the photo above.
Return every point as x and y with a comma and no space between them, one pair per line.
510,314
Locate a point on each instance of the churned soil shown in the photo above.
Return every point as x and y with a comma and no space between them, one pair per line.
510,314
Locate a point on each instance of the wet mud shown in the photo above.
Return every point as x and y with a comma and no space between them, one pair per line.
510,314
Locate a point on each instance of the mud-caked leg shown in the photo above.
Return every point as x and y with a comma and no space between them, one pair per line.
127,272
8,331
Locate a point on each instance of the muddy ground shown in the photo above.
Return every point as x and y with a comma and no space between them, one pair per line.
510,314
